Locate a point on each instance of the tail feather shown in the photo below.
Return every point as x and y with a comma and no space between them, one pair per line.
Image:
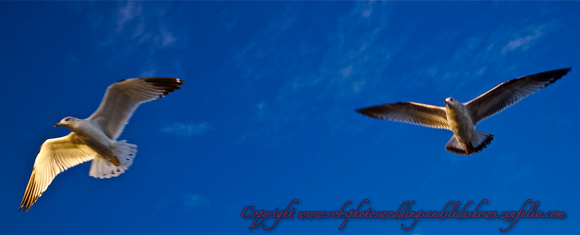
102,168
483,139
456,146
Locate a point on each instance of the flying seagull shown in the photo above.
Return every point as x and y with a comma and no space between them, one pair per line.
95,138
461,118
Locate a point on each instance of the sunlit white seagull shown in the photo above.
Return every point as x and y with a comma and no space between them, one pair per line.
95,138
461,118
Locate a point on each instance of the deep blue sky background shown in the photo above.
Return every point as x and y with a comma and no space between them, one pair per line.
266,114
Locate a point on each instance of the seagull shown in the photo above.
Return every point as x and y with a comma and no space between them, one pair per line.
95,138
461,118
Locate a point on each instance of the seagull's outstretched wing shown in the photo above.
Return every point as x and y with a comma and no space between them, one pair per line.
55,156
123,97
510,92
409,112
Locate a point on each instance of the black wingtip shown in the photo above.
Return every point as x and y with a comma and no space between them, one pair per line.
377,110
560,72
166,83
552,75
556,73
366,111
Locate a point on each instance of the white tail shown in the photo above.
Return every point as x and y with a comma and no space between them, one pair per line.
102,168
456,146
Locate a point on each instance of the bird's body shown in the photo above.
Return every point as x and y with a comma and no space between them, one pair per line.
95,138
465,136
92,136
461,118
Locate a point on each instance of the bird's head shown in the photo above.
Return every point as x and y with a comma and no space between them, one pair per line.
450,101
66,122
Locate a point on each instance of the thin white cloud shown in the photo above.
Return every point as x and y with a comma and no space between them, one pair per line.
313,75
476,56
186,129
140,31
165,38
196,200
127,13
143,27
522,43
366,13
147,73
525,39
359,52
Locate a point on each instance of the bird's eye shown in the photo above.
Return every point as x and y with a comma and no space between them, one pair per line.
66,119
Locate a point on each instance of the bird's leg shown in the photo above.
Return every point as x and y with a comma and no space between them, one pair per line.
113,159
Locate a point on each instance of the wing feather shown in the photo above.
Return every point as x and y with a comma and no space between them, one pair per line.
123,97
409,112
510,92
55,156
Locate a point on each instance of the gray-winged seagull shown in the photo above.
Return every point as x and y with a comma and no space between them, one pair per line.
95,138
461,118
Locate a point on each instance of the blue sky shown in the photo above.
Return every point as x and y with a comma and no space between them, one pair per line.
266,113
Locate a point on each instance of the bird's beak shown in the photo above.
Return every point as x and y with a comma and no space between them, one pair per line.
448,101
58,124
